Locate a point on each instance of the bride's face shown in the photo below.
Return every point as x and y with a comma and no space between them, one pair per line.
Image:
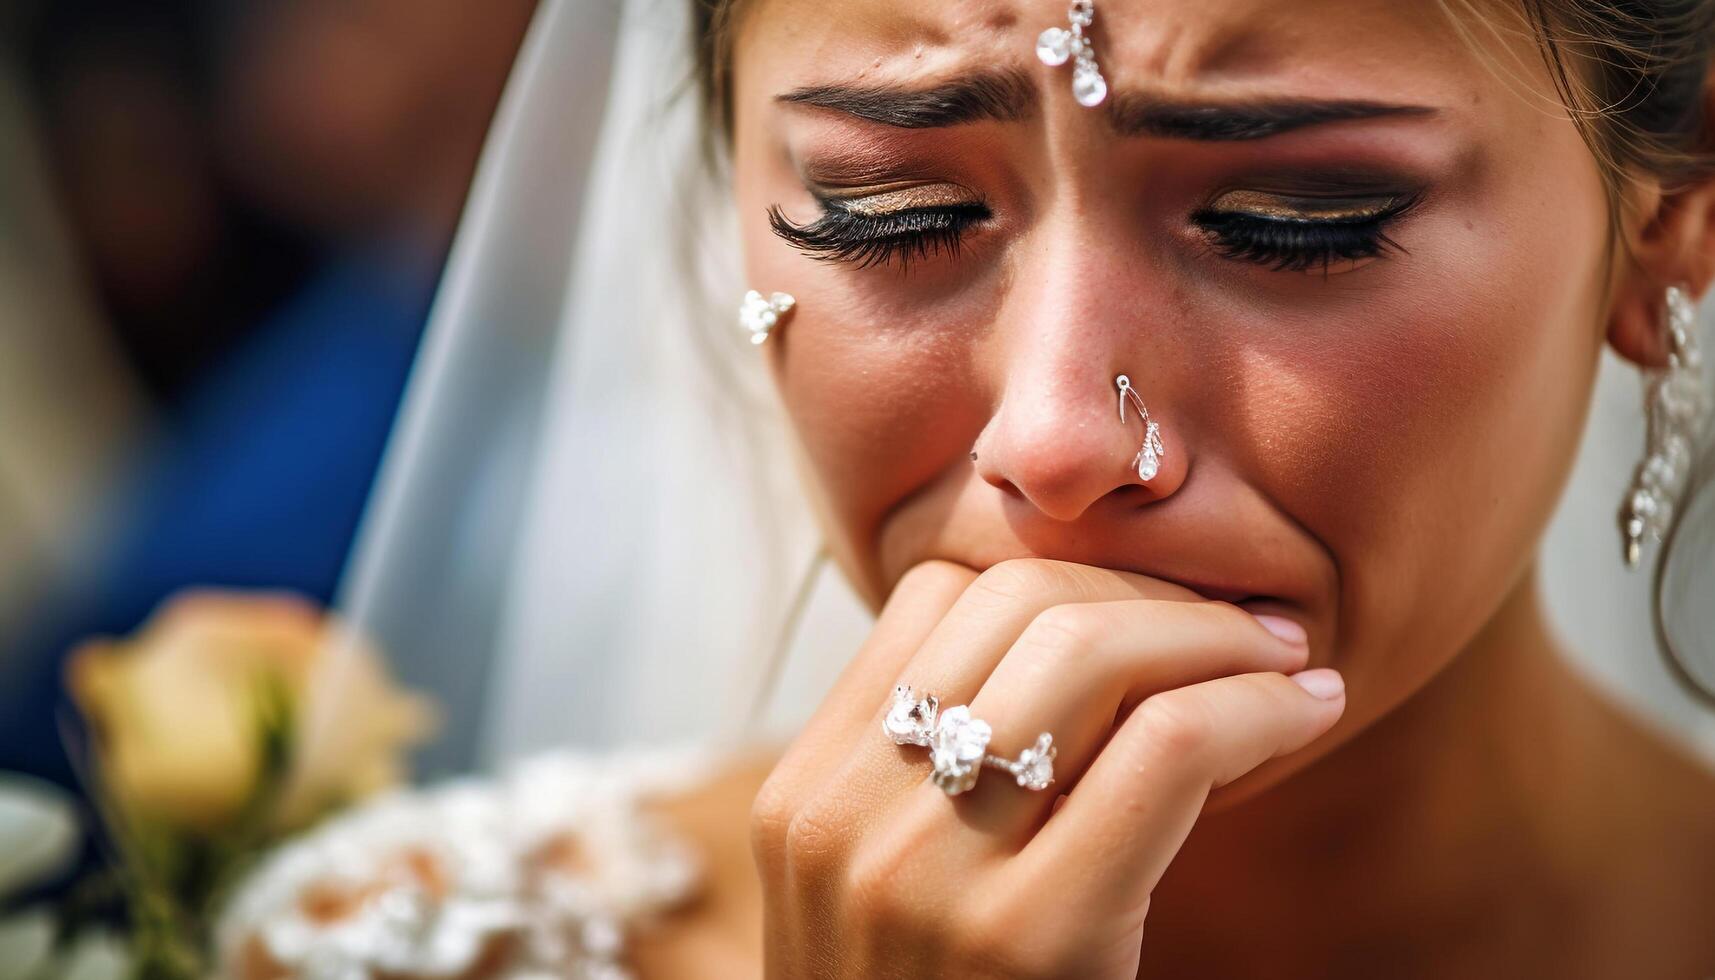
1353,266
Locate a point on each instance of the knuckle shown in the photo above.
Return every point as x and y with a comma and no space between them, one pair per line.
815,839
1064,631
771,815
931,574
1176,724
1270,688
1009,581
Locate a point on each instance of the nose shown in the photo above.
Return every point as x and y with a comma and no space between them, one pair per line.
1056,440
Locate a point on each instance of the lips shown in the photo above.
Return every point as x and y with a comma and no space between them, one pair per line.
1213,592
1238,595
1227,543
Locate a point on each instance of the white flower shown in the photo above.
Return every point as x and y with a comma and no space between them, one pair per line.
540,868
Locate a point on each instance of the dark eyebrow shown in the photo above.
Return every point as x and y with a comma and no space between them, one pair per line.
999,95
1142,115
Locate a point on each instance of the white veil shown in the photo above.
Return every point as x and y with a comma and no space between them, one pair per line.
586,530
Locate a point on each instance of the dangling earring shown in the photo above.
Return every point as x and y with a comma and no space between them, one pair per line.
1674,406
759,314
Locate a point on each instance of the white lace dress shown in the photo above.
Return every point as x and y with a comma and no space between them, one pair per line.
538,873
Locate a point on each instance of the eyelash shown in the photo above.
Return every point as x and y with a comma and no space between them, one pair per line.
844,235
1288,245
1281,244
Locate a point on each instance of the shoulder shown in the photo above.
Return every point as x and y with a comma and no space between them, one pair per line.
547,867
720,934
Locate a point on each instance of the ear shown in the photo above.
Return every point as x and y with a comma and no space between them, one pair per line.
1672,239
1673,244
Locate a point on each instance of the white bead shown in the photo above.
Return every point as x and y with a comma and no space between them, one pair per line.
1089,87
1054,46
1148,464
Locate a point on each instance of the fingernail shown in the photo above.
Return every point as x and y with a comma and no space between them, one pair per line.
1284,628
1321,682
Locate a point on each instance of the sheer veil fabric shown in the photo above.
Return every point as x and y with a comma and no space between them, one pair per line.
587,531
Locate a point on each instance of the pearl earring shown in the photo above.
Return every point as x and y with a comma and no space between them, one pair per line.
759,314
1675,403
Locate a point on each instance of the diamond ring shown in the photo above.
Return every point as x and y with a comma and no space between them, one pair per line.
958,743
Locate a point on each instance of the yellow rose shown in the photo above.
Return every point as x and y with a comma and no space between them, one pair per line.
180,710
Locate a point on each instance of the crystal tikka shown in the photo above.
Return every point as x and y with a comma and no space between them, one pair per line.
1675,406
759,314
1056,45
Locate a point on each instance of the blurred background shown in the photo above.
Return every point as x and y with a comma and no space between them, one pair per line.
221,226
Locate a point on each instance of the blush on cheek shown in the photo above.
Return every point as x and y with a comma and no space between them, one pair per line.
880,412
1425,446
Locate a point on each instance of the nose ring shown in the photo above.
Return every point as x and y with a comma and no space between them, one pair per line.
1147,462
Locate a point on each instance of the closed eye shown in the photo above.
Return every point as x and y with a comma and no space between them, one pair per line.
892,227
1298,234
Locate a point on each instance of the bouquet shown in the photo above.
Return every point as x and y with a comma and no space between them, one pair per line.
225,724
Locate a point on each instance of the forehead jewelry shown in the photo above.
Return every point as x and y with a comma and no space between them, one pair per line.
1057,44
760,314
1148,459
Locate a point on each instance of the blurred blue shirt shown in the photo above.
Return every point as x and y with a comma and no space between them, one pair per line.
259,482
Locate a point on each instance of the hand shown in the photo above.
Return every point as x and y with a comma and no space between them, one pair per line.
1154,695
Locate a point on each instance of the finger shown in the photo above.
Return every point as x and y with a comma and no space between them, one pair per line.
1077,668
864,688
796,795
972,639
1130,813
967,645
852,767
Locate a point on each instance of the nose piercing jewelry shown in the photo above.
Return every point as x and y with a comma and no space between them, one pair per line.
1056,44
760,314
1675,405
1148,459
